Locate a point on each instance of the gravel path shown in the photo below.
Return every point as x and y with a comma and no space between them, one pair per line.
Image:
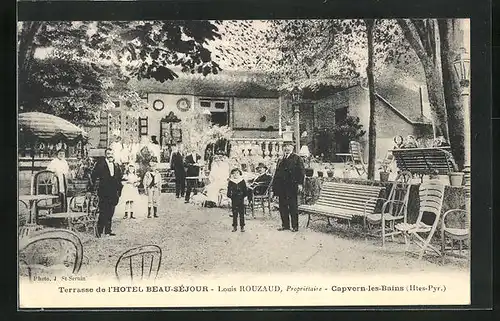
198,240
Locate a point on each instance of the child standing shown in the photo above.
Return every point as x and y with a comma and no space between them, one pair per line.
236,191
130,192
152,186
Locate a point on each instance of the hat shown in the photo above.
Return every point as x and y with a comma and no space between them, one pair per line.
288,142
261,165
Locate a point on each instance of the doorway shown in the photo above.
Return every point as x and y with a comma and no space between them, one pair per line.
341,141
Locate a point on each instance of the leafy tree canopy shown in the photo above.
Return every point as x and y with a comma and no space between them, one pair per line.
71,68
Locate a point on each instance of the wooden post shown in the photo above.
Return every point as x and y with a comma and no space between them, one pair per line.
296,112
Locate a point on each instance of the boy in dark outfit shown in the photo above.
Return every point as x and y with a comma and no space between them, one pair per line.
236,191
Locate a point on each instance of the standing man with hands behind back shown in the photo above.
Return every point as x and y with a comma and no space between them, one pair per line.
287,184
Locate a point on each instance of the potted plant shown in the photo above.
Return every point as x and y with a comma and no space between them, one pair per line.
385,170
329,170
80,179
346,172
456,178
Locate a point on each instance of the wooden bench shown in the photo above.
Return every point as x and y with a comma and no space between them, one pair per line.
343,201
424,161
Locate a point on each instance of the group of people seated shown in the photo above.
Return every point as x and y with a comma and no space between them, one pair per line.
214,192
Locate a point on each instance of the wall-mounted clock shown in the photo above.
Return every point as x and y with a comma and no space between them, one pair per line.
158,105
183,104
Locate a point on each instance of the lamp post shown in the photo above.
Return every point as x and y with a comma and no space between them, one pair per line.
296,98
461,66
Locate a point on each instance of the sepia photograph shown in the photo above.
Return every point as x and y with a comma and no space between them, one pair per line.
240,163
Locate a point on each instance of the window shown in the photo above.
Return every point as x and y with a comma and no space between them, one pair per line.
205,104
215,106
340,115
220,105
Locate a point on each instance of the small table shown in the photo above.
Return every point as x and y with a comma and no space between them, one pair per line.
344,156
31,200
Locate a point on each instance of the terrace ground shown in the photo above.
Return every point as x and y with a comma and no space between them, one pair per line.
198,240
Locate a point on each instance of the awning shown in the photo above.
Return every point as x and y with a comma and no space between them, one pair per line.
47,127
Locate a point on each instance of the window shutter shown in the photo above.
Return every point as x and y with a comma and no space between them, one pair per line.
103,133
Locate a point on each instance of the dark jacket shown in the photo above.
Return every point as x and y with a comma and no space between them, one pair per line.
236,190
261,183
192,170
290,173
177,163
110,187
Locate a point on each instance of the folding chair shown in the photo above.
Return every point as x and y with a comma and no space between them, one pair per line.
431,201
356,161
394,209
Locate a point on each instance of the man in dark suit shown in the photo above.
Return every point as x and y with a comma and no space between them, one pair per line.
177,165
287,184
109,190
193,170
260,184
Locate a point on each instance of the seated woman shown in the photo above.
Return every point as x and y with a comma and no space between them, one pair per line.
260,184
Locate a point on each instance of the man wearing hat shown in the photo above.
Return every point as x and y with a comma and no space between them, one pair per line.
260,184
152,186
287,184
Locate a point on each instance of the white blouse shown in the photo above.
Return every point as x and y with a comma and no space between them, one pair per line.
60,167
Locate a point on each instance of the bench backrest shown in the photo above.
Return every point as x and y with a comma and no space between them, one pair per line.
352,197
425,160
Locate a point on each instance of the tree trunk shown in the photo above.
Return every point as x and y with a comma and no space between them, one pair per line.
451,41
372,134
26,54
434,80
423,37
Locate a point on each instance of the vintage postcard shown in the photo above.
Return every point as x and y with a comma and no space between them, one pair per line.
244,163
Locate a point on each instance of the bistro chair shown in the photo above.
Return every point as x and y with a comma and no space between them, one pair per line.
143,261
431,195
88,204
394,208
47,183
454,227
50,250
264,199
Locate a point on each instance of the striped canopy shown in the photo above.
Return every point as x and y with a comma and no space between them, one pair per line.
49,128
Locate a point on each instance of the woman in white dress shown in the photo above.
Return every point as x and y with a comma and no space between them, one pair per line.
60,167
217,178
